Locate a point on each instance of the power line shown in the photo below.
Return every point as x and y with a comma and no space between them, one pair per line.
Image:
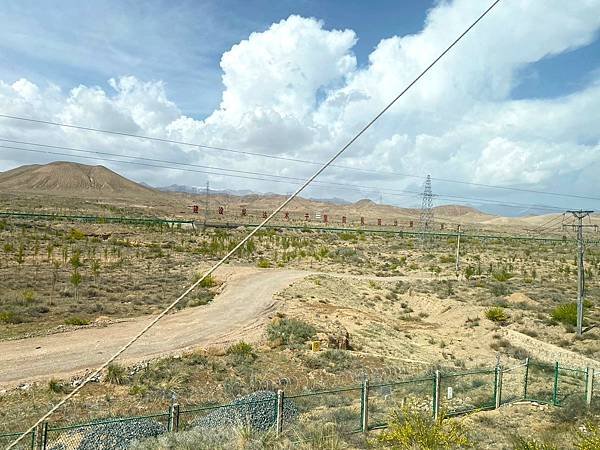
260,176
94,374
290,159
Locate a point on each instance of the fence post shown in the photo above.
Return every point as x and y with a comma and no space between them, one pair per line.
279,418
173,424
437,394
498,386
555,389
41,436
526,378
589,386
364,407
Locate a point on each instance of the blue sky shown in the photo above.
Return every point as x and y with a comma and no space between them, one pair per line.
512,105
142,38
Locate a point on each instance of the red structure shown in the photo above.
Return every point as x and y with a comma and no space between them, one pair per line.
244,212
306,217
264,215
195,209
325,218
362,220
221,210
286,216
395,222
343,219
410,224
379,222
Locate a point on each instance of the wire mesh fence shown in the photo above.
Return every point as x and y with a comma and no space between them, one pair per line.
353,408
7,438
340,406
107,434
539,382
513,383
571,385
384,398
463,392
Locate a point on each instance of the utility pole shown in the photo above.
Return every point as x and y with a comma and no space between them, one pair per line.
206,205
580,215
458,250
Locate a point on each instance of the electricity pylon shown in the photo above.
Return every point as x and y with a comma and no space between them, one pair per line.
426,219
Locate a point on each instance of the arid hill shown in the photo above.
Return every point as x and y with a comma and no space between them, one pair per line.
67,178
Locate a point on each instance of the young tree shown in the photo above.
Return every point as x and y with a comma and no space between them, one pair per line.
95,270
76,281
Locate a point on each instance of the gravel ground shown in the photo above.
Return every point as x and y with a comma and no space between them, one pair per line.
109,436
256,410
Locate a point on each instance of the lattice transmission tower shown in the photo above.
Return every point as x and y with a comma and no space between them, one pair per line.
426,220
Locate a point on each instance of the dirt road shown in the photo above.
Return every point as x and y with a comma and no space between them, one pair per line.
236,313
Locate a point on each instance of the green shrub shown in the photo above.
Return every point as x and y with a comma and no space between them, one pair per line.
10,317
502,275
290,331
242,351
565,314
588,438
521,443
263,263
208,282
496,314
76,320
56,386
76,234
115,374
410,428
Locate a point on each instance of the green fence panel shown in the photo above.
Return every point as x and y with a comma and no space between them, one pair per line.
513,382
540,382
259,415
106,434
385,398
467,391
571,385
26,444
341,407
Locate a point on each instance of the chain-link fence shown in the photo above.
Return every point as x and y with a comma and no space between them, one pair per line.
384,398
354,408
463,392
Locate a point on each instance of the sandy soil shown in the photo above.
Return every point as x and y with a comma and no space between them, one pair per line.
236,313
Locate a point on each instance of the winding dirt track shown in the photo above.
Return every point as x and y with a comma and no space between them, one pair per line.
236,313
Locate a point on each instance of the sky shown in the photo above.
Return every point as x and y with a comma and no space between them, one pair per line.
506,122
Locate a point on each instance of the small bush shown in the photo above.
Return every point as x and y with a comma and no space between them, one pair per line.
589,437
56,386
290,331
565,314
10,317
521,443
410,428
76,320
242,352
115,374
496,314
502,275
208,282
263,263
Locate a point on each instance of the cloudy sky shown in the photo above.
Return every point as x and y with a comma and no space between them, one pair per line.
515,105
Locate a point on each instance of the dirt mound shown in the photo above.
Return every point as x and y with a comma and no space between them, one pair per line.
72,179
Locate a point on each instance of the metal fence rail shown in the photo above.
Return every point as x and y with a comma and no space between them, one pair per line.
356,408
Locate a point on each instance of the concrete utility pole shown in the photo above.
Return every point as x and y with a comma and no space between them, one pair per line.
206,205
458,250
580,215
